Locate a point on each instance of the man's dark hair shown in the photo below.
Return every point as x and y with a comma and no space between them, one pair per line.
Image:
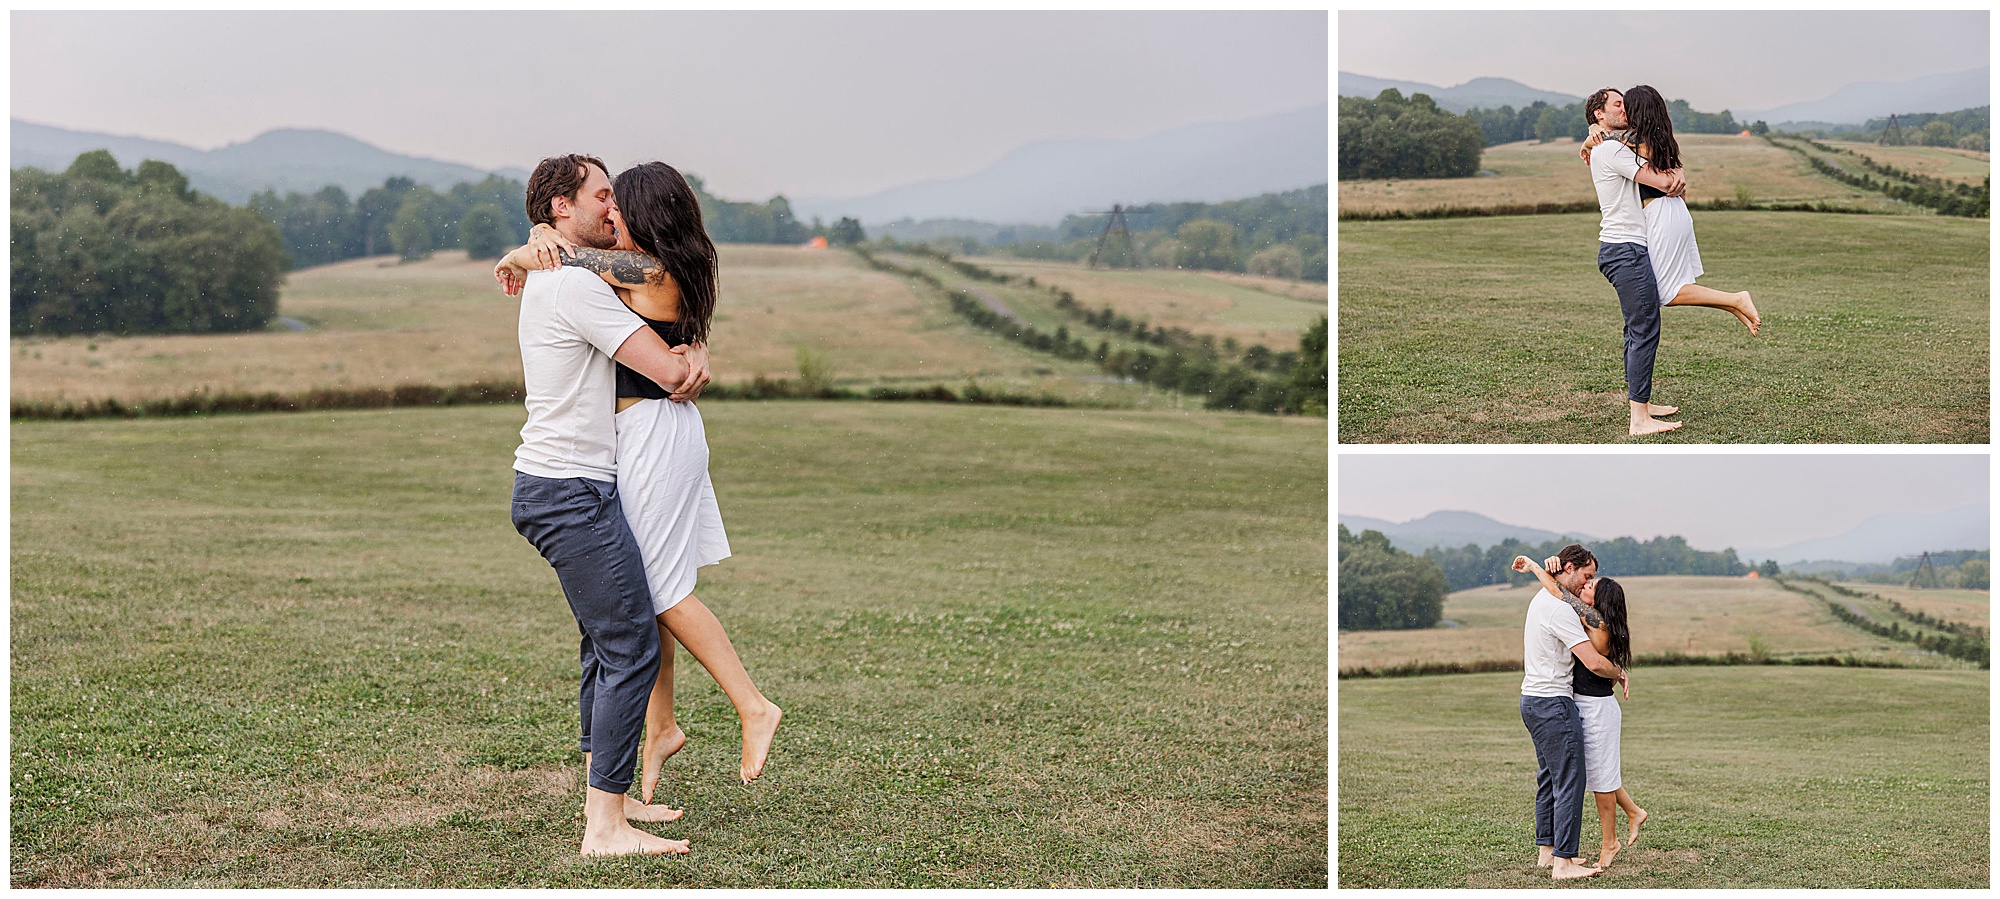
1595,104
1574,556
557,176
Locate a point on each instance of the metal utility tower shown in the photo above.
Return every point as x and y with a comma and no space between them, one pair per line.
1116,220
1924,568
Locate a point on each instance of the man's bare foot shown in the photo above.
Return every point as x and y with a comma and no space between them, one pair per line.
1649,425
649,813
1632,826
757,732
1656,409
659,747
628,840
1570,869
1749,312
1605,853
1546,857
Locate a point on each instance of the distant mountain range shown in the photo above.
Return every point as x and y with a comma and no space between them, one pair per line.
1851,104
288,159
1451,530
1040,183
1878,540
1884,537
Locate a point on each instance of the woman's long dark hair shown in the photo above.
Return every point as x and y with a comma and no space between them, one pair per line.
1610,602
1646,116
664,220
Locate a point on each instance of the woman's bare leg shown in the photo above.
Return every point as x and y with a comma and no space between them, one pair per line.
696,628
1607,815
663,735
1737,304
1634,815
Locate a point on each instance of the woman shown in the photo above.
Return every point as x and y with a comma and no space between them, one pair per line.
664,268
1669,229
1601,608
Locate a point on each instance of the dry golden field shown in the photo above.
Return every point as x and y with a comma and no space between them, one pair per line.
1249,308
1528,172
1950,163
379,323
1693,615
1974,607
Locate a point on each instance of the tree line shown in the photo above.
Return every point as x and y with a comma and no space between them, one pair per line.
98,249
1966,129
1279,235
1469,566
1384,588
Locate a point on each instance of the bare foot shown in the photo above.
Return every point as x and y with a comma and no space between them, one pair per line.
757,732
1644,426
658,748
1546,857
1657,409
1749,312
1605,853
628,840
649,813
1569,869
1632,827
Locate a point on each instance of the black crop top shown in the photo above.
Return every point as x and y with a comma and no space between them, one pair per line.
634,384
1585,682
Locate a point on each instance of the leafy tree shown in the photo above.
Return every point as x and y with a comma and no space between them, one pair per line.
1206,243
411,233
378,207
1975,574
1306,392
1550,124
1278,261
1769,568
846,233
483,232
1383,588
98,165
1937,134
1390,137
1759,128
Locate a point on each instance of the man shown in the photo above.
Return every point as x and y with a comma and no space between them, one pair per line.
1621,255
1548,708
565,492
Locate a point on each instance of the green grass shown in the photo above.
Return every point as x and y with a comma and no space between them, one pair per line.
1764,777
1015,647
1502,330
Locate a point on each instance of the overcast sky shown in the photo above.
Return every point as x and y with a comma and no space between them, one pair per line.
1714,60
1715,501
810,104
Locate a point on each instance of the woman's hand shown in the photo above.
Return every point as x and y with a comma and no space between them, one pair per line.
510,275
1625,681
545,246
1521,563
697,378
1552,564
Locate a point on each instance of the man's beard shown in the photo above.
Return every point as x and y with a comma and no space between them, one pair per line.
600,237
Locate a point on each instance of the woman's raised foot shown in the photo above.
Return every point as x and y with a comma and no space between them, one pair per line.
1632,827
1749,312
758,729
659,747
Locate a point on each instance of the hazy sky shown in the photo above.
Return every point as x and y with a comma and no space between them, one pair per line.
1714,60
1715,501
810,104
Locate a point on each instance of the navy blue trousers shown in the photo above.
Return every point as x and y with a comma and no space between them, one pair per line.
1630,272
578,526
1557,729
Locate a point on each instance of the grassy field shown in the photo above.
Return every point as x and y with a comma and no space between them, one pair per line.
1502,330
1692,615
377,323
1974,607
1529,172
309,650
1764,777
1949,163
1248,308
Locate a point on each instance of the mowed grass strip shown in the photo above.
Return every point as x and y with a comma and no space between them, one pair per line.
1531,172
1950,163
1973,607
1763,777
1016,647
1248,308
1706,616
1502,330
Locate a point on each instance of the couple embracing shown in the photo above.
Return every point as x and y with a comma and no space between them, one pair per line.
1575,647
1646,245
617,288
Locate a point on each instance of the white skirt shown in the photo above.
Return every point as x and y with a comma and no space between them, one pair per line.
1670,245
1602,721
669,503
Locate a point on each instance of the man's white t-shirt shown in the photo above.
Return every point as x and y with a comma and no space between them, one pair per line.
571,324
1551,630
1612,168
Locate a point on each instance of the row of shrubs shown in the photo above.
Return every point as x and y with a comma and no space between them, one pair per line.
1661,660
1958,646
1922,619
482,393
1220,386
1948,198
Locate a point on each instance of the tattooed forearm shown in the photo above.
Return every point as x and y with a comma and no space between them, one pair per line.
621,266
1590,616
